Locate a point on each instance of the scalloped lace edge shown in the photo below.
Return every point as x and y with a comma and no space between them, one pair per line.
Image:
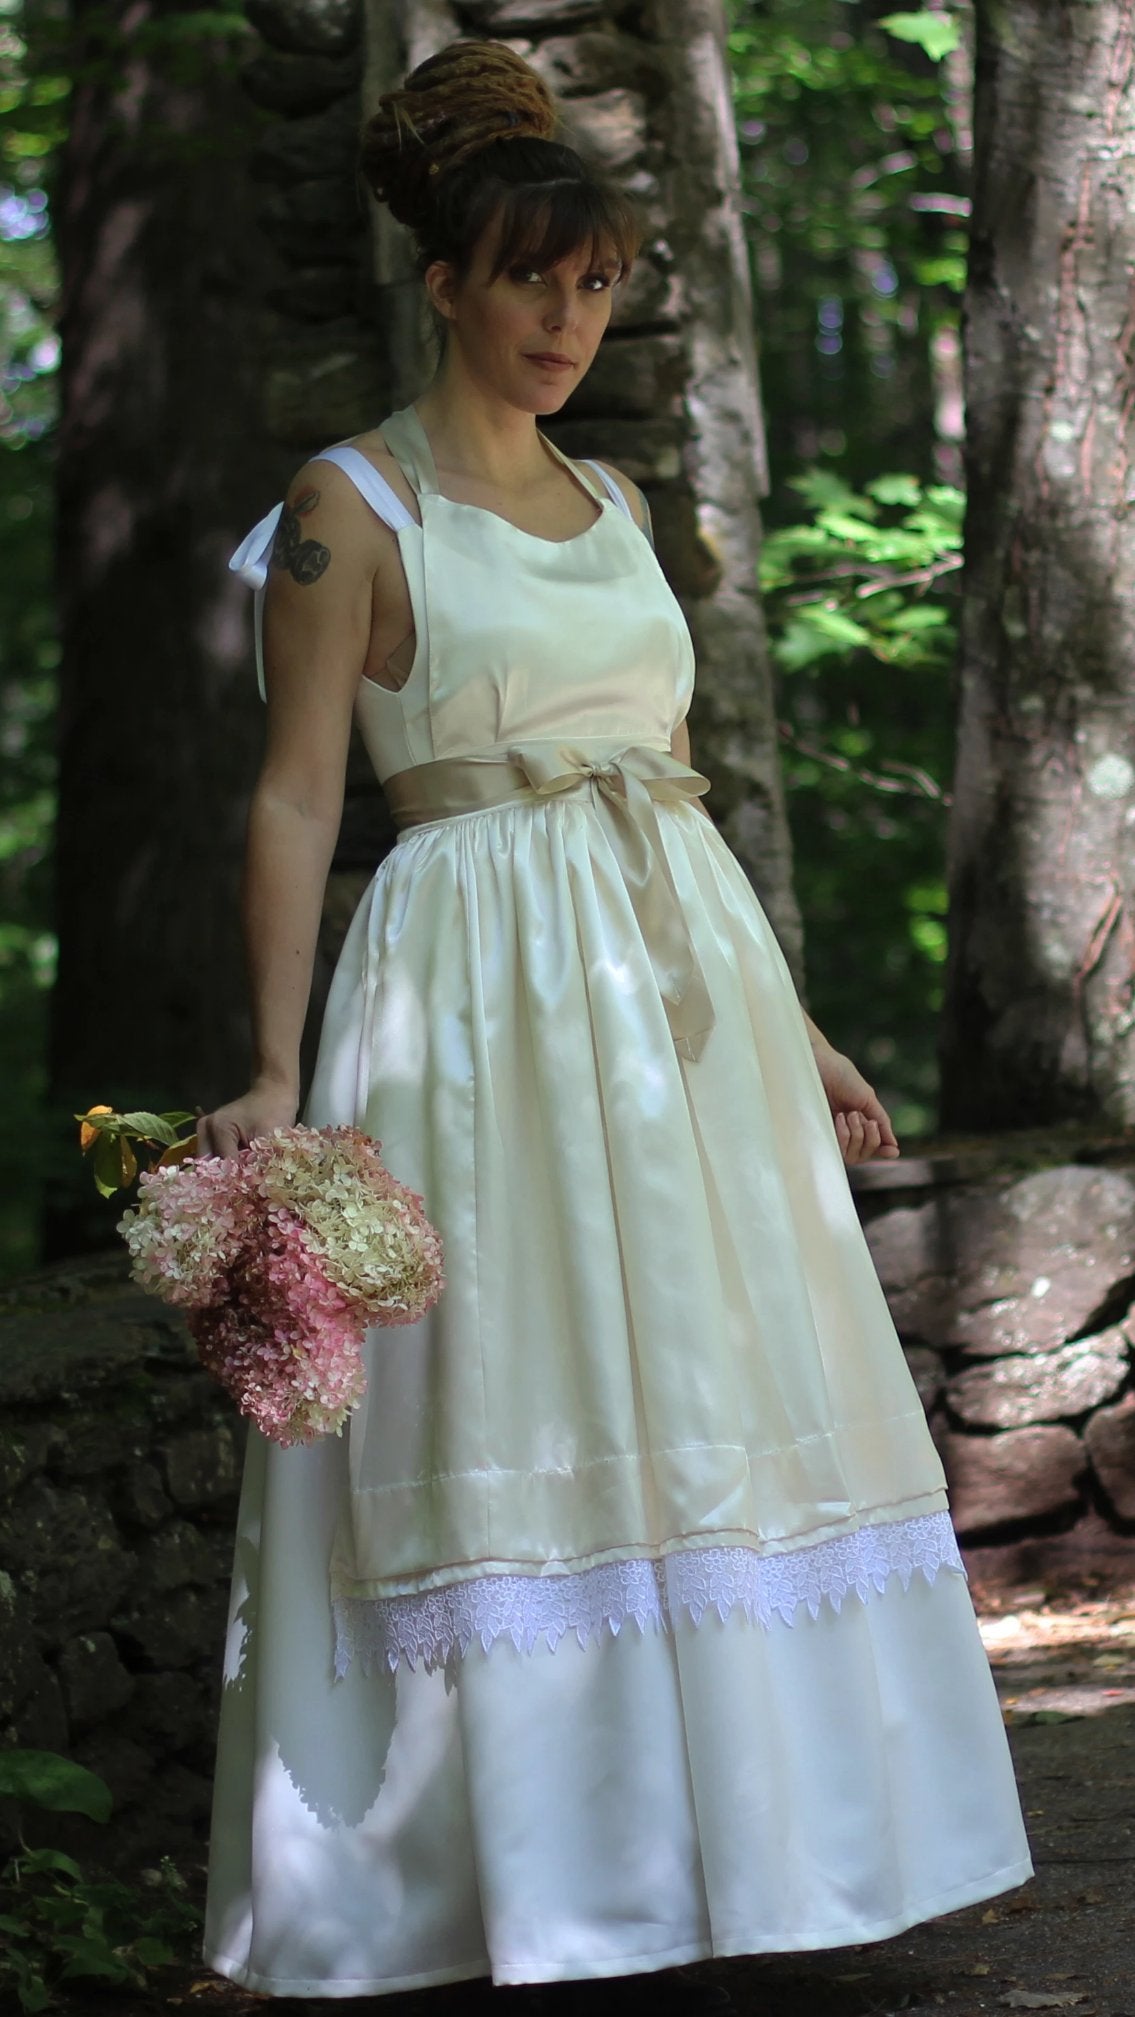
434,1626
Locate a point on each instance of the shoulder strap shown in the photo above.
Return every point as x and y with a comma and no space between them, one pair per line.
610,486
369,484
250,561
619,496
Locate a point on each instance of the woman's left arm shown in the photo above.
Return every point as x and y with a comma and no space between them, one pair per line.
862,1123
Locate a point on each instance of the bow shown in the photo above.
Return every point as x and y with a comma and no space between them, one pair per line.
630,780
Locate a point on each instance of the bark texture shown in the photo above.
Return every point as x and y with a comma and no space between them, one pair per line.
162,466
1039,1022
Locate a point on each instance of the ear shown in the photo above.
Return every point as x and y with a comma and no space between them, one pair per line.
441,286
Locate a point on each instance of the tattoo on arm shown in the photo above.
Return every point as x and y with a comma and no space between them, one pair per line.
304,559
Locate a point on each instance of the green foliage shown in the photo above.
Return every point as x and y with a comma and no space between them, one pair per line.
58,1925
856,192
861,602
108,1137
936,33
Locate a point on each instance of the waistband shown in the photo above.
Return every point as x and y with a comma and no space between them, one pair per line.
630,779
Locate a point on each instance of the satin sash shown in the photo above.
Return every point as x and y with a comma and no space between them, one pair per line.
629,780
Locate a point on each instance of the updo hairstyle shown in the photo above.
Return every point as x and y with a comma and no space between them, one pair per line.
468,139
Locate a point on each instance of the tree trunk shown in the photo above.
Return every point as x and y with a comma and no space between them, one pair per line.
1039,1023
163,464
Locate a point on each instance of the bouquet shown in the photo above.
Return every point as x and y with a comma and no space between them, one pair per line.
281,1256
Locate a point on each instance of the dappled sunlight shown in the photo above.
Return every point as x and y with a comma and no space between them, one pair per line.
1055,1661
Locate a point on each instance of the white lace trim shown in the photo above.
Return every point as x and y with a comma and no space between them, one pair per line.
435,1625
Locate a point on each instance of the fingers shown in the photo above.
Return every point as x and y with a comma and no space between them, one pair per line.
863,1136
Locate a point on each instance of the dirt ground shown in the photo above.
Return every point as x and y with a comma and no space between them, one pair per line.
1065,1671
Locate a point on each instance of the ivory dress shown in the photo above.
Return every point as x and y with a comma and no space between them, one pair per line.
624,1625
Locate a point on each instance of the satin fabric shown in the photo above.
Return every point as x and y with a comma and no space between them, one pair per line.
661,1331
631,780
646,1801
661,1326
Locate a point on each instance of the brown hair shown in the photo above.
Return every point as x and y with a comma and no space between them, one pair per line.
478,108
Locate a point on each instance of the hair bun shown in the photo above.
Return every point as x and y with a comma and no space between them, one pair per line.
462,99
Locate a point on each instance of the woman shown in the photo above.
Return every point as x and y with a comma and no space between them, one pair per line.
625,1624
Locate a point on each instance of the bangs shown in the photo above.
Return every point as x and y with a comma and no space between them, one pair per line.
544,222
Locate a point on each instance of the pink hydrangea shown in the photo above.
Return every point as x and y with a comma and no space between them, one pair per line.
283,1255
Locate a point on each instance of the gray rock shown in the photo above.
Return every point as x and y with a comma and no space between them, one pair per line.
21,1668
324,397
172,1712
292,84
318,145
600,59
1110,1441
1008,1266
53,1357
648,451
654,297
307,27
1043,1386
314,294
1018,1475
175,1631
125,1766
40,1722
925,1368
632,375
178,1555
314,222
140,1499
505,17
74,1566
202,1467
93,1679
608,129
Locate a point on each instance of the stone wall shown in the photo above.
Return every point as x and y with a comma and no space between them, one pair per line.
1011,1285
119,1473
1013,1289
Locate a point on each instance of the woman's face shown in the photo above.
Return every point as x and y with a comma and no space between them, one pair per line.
510,331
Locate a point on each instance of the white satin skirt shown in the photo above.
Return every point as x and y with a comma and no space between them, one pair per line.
640,1801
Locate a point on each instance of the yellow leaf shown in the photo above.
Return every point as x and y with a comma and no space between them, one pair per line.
88,1134
178,1152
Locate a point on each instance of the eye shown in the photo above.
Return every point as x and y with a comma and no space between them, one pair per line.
524,273
603,280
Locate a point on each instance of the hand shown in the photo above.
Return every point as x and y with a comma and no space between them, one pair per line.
232,1127
862,1124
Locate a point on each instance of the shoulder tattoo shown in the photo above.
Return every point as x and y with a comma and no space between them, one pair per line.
304,559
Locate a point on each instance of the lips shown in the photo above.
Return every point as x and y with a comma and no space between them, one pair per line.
545,357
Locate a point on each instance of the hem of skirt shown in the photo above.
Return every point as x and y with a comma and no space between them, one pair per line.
729,1947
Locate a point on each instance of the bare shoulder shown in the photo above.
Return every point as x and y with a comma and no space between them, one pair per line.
324,515
630,491
373,446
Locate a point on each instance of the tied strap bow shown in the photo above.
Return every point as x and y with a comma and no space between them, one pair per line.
629,780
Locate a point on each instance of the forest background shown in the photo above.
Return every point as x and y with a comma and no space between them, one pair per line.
853,126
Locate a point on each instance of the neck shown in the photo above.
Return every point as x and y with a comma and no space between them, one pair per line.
474,433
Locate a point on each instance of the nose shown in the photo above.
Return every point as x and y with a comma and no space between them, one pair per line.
562,306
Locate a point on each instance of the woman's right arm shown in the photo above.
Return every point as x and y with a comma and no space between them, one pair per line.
317,625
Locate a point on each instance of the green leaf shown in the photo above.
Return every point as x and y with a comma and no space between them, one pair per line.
938,34
897,489
840,628
154,1126
94,1960
115,1164
48,1780
152,1953
36,1861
